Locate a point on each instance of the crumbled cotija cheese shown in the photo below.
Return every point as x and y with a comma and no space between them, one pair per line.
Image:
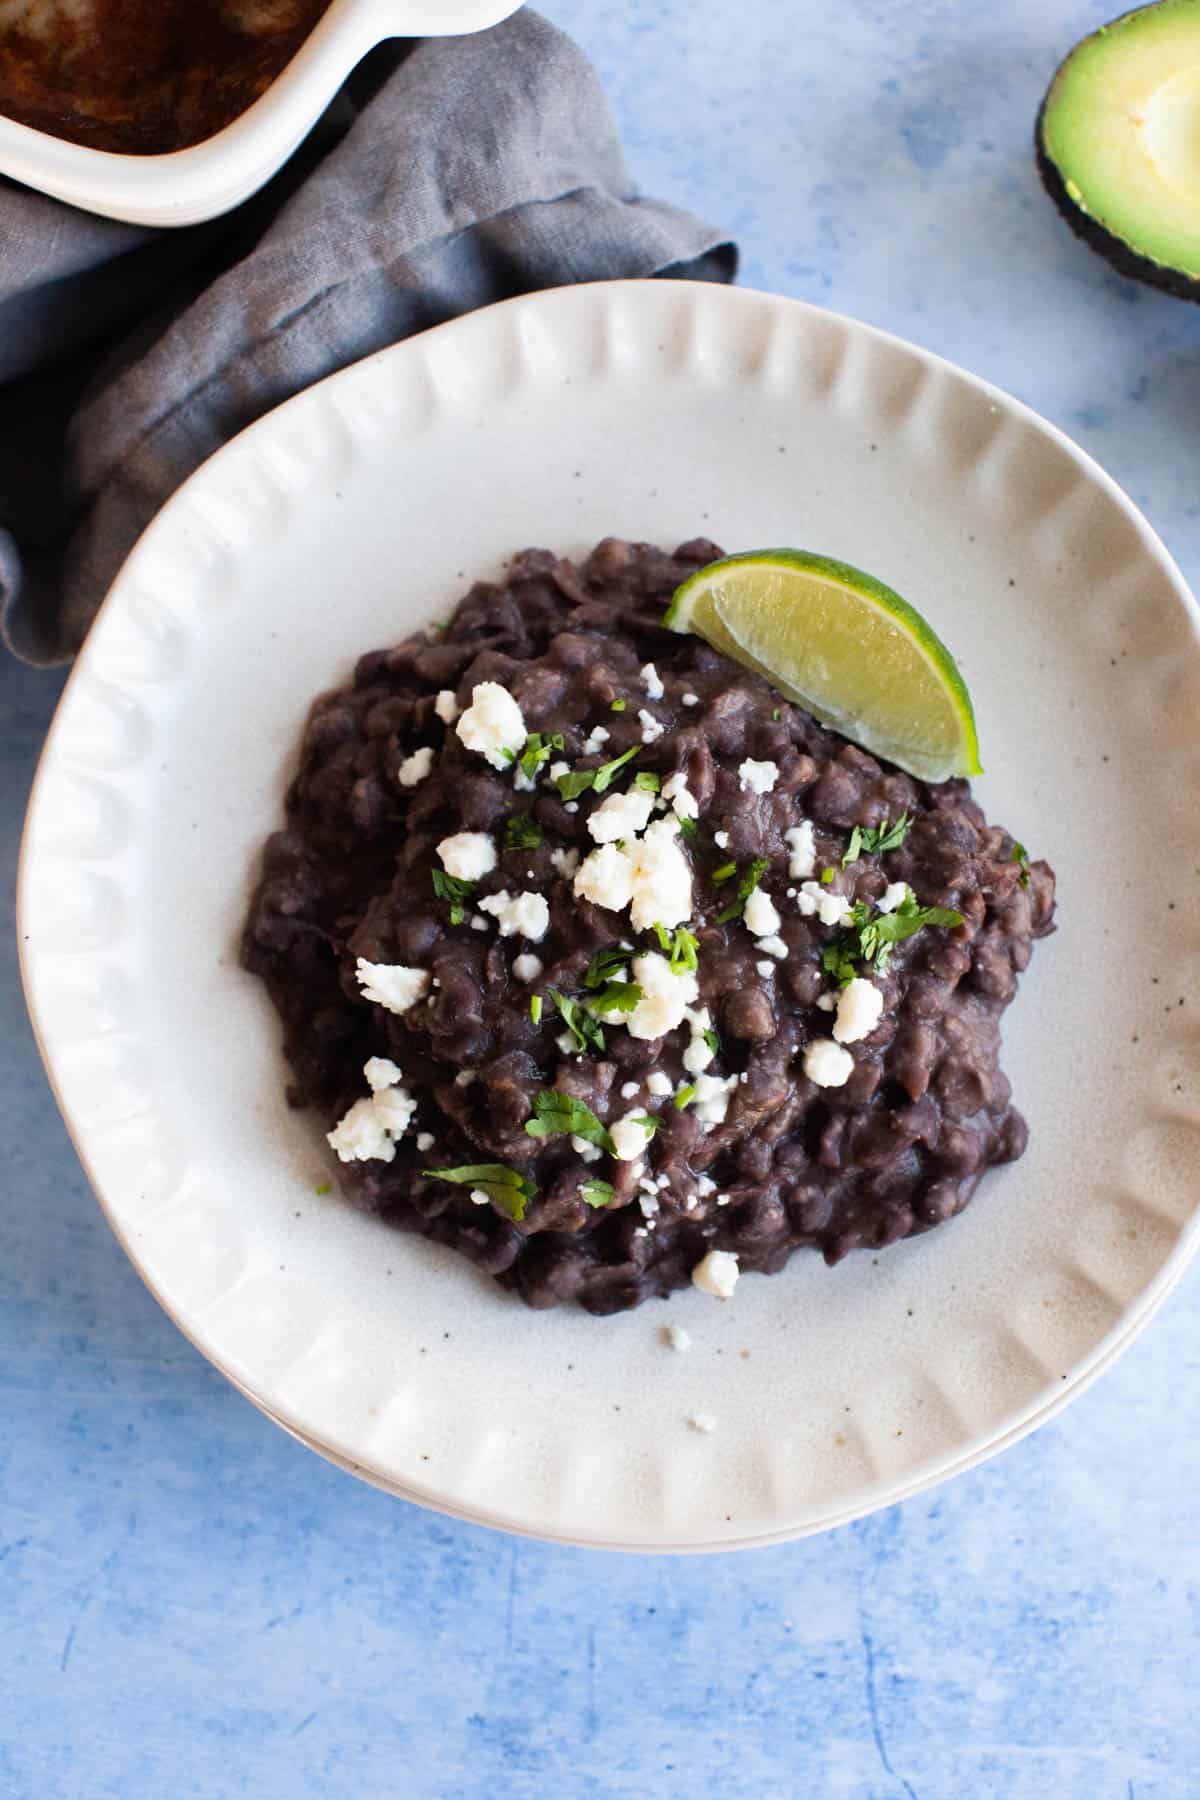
391,985
468,855
621,816
859,1007
492,724
527,967
446,706
664,1002
416,767
761,914
758,777
519,915
717,1273
896,893
654,686
802,851
832,909
827,1064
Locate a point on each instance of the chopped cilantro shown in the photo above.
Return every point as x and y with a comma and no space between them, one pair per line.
724,873
579,1022
648,1123
827,876
573,783
557,1115
522,832
681,947
453,889
596,1193
873,840
684,1097
324,1188
647,781
538,750
777,715
712,1040
617,706
687,829
535,1008
618,996
606,774
1020,855
507,1187
606,965
746,886
871,939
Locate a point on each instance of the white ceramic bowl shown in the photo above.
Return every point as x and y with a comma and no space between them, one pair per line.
199,183
362,509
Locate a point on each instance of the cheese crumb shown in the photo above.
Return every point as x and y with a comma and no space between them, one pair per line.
565,863
765,969
654,686
721,840
527,967
425,1141
367,1132
468,855
621,816
630,1090
679,796
381,1072
595,740
761,914
391,985
758,777
629,1137
589,1152
699,1052
827,1002
712,1098
858,1011
773,946
606,878
492,724
677,1337
896,894
802,859
826,1064
652,728
691,699
416,767
703,1422
659,1084
664,1002
717,1274
521,915
833,909
662,878
446,706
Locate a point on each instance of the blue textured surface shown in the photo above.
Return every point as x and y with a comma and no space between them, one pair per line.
193,1605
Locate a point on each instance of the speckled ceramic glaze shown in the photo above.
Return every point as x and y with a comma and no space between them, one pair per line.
361,509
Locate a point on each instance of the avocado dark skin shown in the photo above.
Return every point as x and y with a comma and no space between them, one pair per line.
1122,257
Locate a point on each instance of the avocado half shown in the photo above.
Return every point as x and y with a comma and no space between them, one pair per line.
1118,144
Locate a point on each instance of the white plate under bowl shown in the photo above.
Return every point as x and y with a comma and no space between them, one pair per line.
183,187
362,508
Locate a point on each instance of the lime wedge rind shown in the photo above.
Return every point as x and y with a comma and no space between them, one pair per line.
754,606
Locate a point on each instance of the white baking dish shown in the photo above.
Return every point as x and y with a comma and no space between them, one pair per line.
199,183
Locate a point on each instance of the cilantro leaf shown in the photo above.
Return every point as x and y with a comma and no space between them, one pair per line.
647,1121
617,706
873,840
618,996
596,1193
685,1096
535,1008
680,946
606,774
688,829
511,1190
324,1188
647,781
724,873
827,876
1020,855
746,886
606,965
579,1022
837,960
713,1041
522,832
538,750
558,1115
454,889
871,938
573,783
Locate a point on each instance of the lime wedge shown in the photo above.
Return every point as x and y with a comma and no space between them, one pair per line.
843,645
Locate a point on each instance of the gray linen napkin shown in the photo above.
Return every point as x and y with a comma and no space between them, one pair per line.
447,175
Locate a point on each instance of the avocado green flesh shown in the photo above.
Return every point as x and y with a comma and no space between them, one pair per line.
1121,126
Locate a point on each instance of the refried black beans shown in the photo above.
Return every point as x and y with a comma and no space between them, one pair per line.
787,1108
